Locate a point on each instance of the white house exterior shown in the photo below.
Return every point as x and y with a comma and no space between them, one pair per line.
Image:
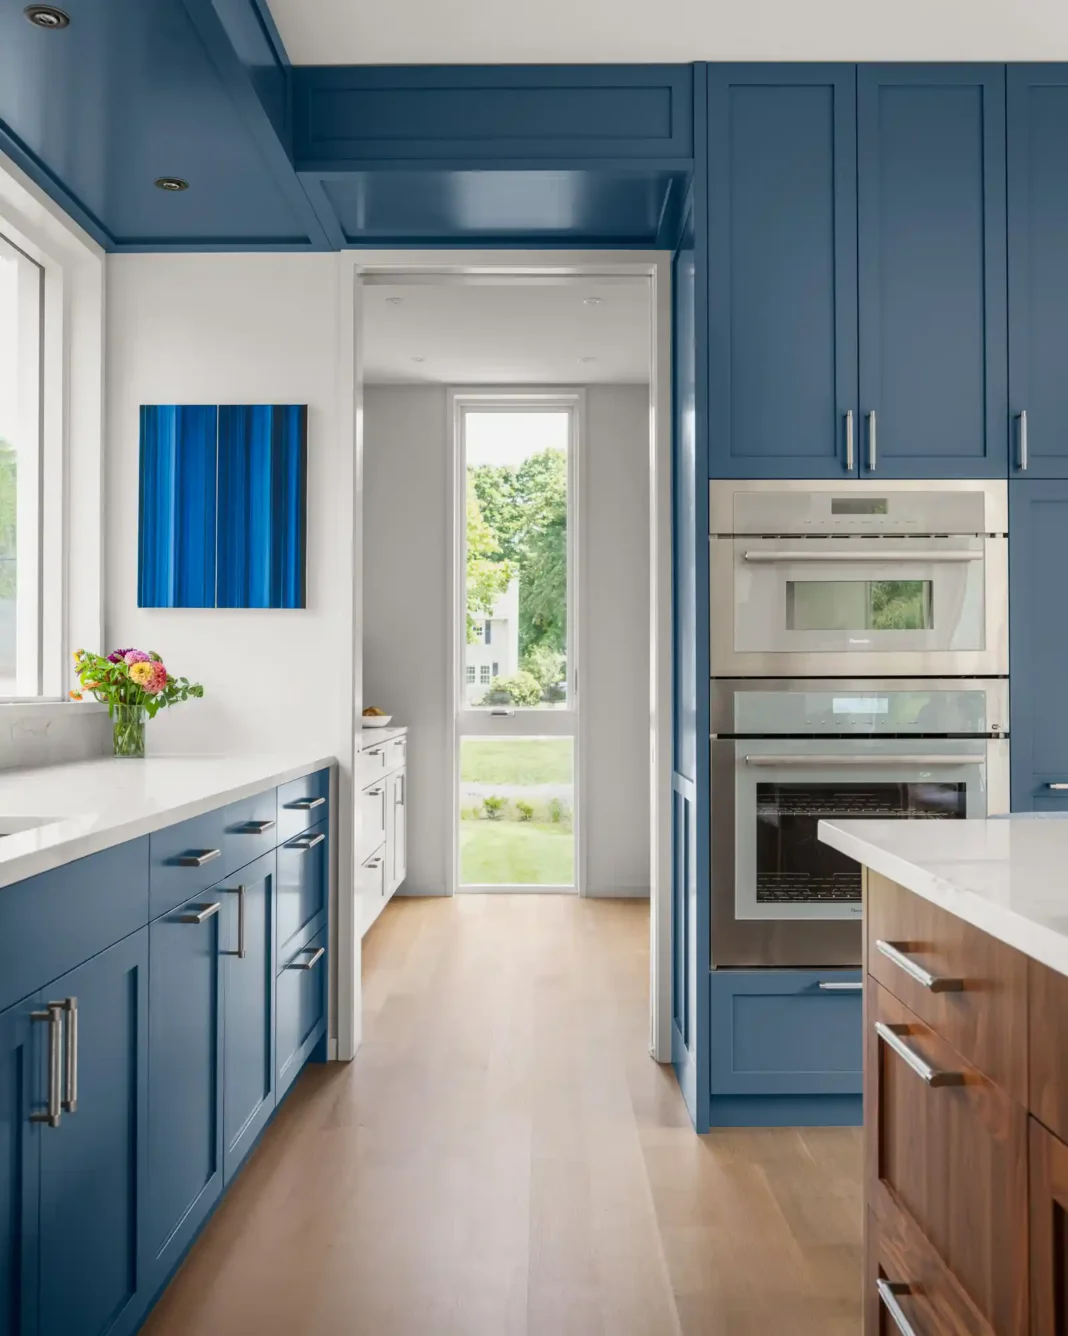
495,650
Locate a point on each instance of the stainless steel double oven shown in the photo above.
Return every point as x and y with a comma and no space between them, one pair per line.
859,669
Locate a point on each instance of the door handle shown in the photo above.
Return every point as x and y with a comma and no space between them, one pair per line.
309,964
840,986
200,914
872,444
53,1016
849,440
888,1292
934,983
198,857
239,891
70,1064
1022,458
932,1076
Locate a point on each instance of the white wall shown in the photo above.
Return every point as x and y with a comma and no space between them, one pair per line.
410,32
406,628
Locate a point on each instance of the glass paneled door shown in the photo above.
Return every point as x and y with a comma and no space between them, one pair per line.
515,676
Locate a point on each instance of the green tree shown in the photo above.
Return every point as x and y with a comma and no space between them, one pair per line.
488,575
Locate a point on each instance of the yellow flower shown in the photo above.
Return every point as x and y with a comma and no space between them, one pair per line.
143,673
79,654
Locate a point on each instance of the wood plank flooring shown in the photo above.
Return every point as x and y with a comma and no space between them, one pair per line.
504,1157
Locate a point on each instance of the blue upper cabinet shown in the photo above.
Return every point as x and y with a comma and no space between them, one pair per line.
1038,269
782,298
932,262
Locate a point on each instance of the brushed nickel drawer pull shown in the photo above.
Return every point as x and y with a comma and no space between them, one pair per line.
309,964
849,440
375,751
767,556
840,986
201,913
374,793
934,983
198,857
891,1036
239,891
305,804
889,1292
54,1018
255,827
70,1074
1057,788
307,842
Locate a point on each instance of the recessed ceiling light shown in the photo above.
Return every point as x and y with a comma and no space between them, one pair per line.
418,359
47,16
394,301
171,183
592,301
587,359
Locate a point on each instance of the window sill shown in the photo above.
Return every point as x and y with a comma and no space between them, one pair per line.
34,708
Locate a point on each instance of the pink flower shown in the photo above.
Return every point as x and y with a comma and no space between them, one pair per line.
133,656
159,680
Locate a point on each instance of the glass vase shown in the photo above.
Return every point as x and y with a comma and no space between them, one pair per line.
128,731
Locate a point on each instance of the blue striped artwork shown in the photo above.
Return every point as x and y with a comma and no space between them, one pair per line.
177,520
262,489
223,495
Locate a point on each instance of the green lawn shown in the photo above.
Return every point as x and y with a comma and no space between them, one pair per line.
516,761
516,853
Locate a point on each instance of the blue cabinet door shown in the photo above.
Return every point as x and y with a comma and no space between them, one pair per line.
184,1089
782,275
93,1164
1038,644
20,1149
932,265
1038,269
248,1008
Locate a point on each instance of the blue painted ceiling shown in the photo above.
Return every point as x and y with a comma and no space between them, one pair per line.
201,89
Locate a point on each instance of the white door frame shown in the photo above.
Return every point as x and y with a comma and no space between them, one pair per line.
357,268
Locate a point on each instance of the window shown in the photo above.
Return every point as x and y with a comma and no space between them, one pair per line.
21,407
484,674
489,633
496,670
470,674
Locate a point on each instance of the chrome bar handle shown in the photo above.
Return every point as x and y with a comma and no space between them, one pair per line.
934,983
254,827
768,557
402,790
932,1076
1022,419
888,1292
200,913
840,986
849,440
872,445
70,1073
1057,788
198,857
309,964
307,842
920,759
306,804
374,793
54,1016
239,891
371,751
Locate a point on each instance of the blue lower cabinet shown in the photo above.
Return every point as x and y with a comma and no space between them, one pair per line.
185,1145
20,1152
301,1009
785,1047
248,1008
93,1162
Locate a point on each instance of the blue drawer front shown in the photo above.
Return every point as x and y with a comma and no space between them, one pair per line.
777,1032
175,876
302,803
53,922
303,878
301,1009
250,830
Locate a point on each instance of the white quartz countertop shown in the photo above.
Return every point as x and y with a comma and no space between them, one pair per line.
1007,876
369,736
90,805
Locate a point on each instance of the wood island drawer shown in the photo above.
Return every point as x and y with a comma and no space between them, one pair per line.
302,803
968,987
947,1148
1048,1042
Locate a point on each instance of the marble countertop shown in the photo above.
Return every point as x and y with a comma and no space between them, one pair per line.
1007,876
87,806
369,736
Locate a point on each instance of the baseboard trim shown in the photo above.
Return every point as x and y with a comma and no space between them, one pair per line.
617,893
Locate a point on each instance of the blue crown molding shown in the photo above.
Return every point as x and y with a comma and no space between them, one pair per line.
42,176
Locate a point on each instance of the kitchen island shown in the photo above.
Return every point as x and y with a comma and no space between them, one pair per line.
965,1074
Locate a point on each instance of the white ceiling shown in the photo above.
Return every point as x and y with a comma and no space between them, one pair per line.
464,32
528,334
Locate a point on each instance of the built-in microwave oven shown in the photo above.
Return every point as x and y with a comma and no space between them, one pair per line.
872,578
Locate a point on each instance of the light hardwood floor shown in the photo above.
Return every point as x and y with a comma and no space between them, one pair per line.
503,1157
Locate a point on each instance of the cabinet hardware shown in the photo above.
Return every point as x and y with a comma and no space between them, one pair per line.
888,1296
849,441
306,804
402,790
374,793
917,759
373,863
376,751
766,557
70,1074
198,857
933,1076
934,983
54,1017
255,827
502,714
872,446
307,842
1022,420
309,964
840,986
201,913
1057,788
239,891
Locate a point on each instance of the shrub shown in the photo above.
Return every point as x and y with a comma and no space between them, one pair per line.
494,807
525,810
520,689
556,811
546,664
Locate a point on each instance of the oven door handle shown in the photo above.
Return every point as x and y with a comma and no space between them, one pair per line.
900,759
799,554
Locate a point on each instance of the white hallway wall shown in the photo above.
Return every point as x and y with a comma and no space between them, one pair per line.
406,630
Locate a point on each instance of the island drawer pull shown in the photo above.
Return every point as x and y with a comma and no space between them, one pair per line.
198,857
239,891
840,986
933,1076
1057,787
309,964
200,913
70,1100
255,827
934,983
54,1018
889,1292
307,842
305,804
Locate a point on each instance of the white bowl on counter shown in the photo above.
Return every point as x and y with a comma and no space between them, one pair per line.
376,720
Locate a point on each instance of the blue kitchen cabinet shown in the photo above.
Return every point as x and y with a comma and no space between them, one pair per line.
93,1164
185,1161
1037,103
248,987
932,271
1038,644
782,270
20,1151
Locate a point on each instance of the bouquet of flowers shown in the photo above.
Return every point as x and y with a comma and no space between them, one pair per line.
132,683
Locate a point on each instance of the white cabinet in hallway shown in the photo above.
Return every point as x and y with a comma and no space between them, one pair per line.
382,809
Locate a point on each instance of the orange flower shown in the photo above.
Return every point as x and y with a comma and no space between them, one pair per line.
76,695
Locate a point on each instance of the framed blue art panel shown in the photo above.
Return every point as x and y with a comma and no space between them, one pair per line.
223,506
